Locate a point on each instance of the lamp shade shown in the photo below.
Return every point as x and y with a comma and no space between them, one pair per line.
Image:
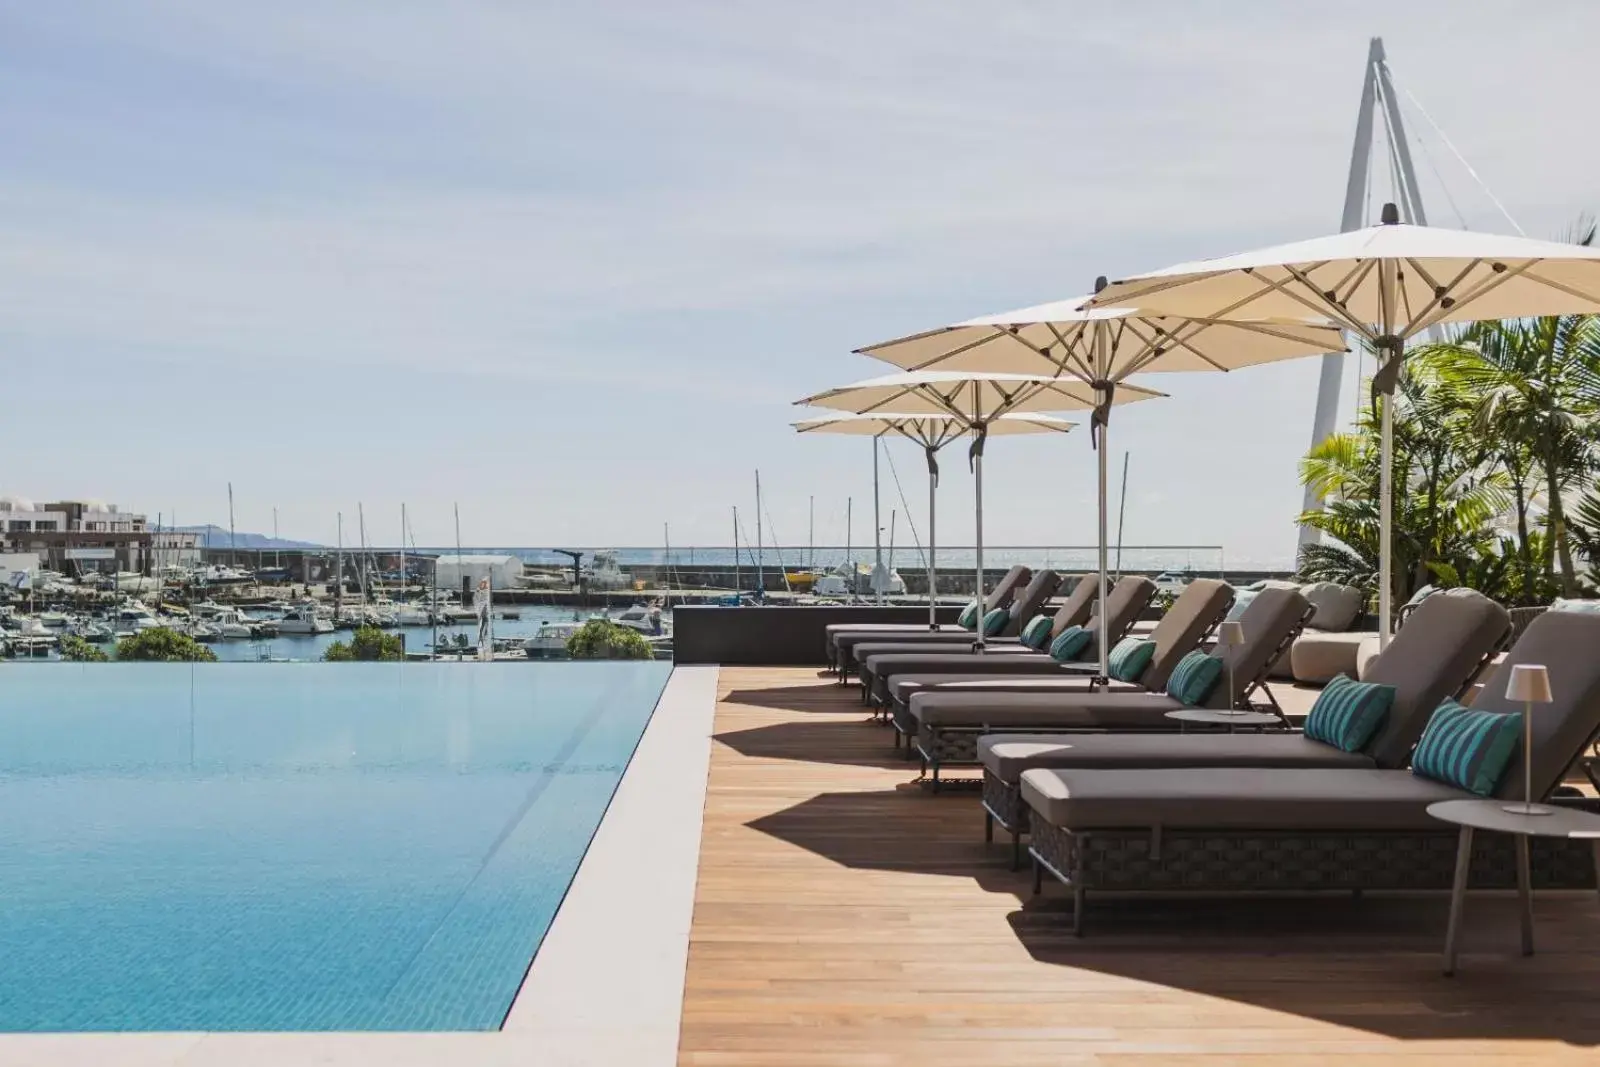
1230,633
1529,682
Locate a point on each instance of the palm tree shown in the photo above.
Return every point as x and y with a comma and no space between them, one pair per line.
1532,388
1444,500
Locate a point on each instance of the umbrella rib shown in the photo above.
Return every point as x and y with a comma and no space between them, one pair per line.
1321,305
1480,289
1153,350
941,357
1352,280
1559,286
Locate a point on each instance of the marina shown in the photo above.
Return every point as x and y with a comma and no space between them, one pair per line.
697,628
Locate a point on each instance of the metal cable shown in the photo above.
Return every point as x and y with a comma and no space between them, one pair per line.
916,540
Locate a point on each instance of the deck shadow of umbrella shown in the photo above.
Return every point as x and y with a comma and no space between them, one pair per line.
1370,962
832,699
907,830
857,743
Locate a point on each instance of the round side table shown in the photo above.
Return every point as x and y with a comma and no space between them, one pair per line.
1491,815
1218,717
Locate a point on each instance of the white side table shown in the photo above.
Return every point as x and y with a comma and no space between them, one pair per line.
1492,815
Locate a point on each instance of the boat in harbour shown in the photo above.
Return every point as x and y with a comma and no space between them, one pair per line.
303,619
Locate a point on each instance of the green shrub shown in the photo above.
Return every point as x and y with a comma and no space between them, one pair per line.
164,645
75,649
368,644
601,639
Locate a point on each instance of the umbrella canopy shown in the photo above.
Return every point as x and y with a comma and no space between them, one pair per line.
932,432
1436,275
1057,338
1101,347
975,398
1385,283
978,399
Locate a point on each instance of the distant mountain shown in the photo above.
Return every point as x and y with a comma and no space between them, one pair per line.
212,536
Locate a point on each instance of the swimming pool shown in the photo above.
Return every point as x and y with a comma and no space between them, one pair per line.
295,846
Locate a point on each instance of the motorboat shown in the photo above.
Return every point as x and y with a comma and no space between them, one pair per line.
840,581
54,620
303,619
203,632
604,572
133,616
96,633
645,618
550,640
233,624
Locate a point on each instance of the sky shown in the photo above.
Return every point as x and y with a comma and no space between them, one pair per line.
569,265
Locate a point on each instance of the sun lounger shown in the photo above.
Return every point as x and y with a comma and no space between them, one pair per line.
877,665
1027,603
1180,631
1000,596
1435,655
944,726
1213,828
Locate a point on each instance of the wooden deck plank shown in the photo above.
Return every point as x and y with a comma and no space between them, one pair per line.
845,916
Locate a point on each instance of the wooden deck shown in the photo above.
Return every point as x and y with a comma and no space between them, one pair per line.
846,917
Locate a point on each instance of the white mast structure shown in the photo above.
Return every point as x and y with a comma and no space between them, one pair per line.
1377,97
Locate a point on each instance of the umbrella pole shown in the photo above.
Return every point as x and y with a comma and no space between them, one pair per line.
1105,653
1384,384
933,538
977,481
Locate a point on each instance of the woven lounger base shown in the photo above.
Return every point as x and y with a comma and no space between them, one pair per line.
1229,861
1003,807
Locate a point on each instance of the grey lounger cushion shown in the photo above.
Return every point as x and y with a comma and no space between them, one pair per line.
1127,600
1006,756
1193,615
1026,605
1271,617
1433,656
1216,798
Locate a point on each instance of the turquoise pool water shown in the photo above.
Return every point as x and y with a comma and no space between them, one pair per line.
295,846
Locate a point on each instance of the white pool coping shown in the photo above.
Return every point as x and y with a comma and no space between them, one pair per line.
607,984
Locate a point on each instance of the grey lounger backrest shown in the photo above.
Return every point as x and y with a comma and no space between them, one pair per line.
1568,644
1028,602
1271,621
1006,588
1433,656
1074,611
1124,604
1198,609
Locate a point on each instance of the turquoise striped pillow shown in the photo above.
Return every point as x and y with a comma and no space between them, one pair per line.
1036,634
1466,748
968,619
1069,644
1194,677
995,622
1348,713
1130,658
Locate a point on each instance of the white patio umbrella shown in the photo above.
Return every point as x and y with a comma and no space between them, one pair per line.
932,432
1385,283
978,400
1101,347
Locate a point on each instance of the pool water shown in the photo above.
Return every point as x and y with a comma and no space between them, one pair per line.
295,846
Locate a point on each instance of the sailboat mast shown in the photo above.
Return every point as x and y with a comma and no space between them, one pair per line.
1122,513
849,548
402,550
361,532
277,550
459,571
338,572
736,548
761,578
233,539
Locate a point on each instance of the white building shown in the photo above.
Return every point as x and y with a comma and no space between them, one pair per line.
73,536
503,572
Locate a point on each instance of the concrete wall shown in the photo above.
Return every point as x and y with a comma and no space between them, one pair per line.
774,636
